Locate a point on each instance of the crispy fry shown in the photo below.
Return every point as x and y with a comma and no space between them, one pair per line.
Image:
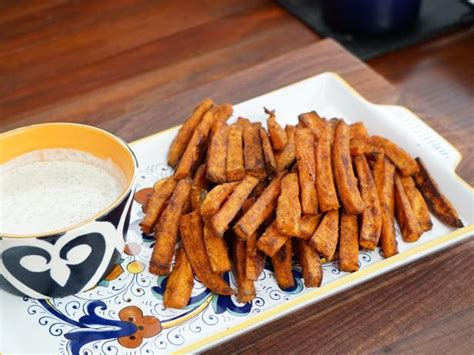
324,239
254,159
314,122
310,263
288,215
304,143
278,135
235,169
156,205
216,250
260,263
180,282
191,231
371,218
406,217
245,286
166,232
186,131
270,162
215,198
282,266
217,154
358,131
348,244
360,147
437,202
383,172
417,203
199,188
221,112
402,160
346,182
251,265
309,222
271,240
286,157
260,211
325,188
222,219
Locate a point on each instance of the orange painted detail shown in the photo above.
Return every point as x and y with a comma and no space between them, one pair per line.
147,326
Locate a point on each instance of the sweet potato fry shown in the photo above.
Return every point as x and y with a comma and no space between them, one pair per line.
278,135
324,239
166,232
271,240
217,154
270,162
222,219
186,131
282,266
310,263
180,282
358,131
286,157
254,159
288,215
304,143
314,122
437,202
245,286
191,231
402,160
215,198
360,147
371,218
260,210
309,222
156,205
235,169
348,243
251,265
216,250
325,188
221,112
417,203
406,217
346,182
199,188
384,172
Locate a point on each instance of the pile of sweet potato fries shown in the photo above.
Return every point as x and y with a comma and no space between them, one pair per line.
320,190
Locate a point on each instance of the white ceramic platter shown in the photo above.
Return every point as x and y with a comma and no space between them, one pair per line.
92,322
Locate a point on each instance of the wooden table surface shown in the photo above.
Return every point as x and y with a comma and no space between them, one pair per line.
137,66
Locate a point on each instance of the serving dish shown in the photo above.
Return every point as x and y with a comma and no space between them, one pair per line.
124,313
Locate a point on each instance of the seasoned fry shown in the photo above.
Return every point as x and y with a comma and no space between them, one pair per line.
254,159
406,217
417,203
325,188
235,169
215,198
156,205
245,286
217,154
286,157
324,239
358,131
222,219
251,265
346,182
216,250
348,244
384,181
186,131
199,188
310,263
260,211
191,231
180,282
278,135
221,112
402,160
304,143
166,232
282,266
270,162
437,202
271,240
360,147
371,218
314,122
288,215
309,222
